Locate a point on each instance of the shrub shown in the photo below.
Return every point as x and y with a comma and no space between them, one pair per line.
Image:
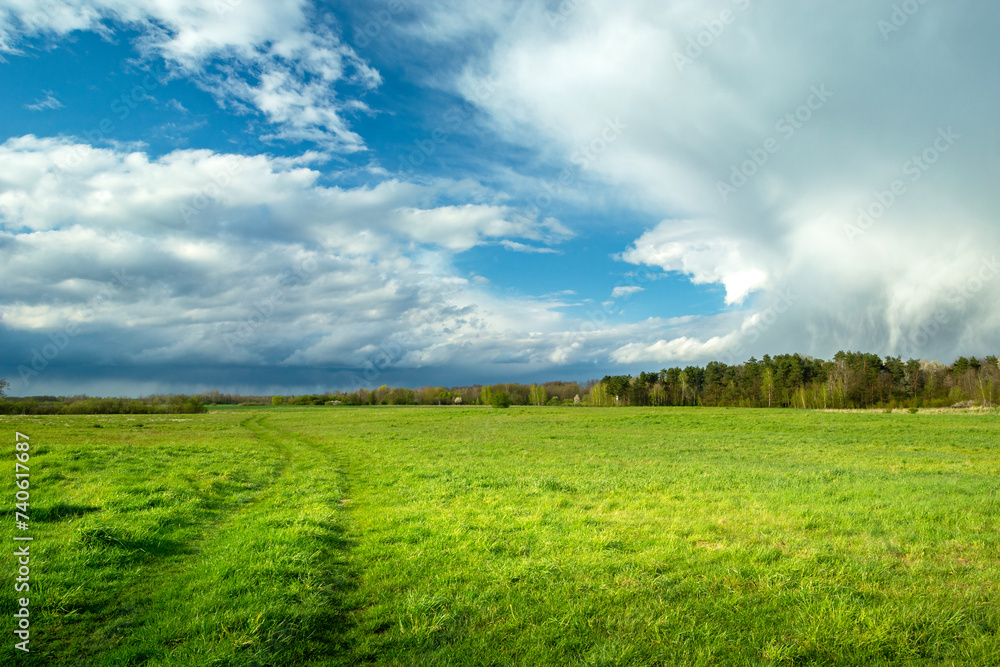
500,399
191,406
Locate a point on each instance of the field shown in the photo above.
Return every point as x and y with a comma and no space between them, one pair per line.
528,536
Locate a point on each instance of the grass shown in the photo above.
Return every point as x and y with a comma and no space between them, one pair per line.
531,536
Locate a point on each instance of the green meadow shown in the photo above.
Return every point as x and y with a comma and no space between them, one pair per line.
527,536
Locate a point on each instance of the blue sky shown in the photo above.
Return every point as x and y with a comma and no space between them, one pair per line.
284,197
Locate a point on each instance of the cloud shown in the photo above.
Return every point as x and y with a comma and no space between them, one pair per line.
626,290
836,180
678,349
49,103
273,57
705,257
446,21
198,257
514,246
464,226
783,148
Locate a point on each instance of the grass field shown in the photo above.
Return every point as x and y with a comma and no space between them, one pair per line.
532,536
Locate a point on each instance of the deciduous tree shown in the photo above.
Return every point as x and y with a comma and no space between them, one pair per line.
537,395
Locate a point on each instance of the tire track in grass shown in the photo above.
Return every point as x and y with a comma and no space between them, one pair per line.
130,549
140,604
330,617
268,582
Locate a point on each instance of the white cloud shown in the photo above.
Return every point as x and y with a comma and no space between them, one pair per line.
705,257
445,20
49,103
47,182
464,226
626,290
213,241
272,56
525,248
816,127
248,260
678,349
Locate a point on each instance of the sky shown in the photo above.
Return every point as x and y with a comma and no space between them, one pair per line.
287,197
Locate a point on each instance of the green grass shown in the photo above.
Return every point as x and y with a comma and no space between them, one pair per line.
529,536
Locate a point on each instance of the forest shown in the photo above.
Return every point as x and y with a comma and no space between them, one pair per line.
850,380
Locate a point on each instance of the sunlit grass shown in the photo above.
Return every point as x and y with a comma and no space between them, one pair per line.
424,536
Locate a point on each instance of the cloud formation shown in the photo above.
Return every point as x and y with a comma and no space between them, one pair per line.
47,104
625,290
229,259
831,169
783,146
280,59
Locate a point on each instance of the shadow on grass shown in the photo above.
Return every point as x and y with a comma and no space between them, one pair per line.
326,627
61,512
133,628
135,549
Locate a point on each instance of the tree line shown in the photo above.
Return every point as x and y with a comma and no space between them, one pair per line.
86,405
549,393
849,380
